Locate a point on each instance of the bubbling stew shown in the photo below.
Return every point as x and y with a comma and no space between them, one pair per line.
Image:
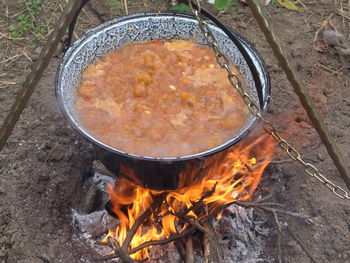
160,99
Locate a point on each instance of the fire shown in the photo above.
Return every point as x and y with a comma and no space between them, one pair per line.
229,176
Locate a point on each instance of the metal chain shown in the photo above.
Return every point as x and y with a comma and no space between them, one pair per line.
255,109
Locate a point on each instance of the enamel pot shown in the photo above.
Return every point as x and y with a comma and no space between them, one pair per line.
155,173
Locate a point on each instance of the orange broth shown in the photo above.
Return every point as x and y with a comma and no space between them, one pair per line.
160,99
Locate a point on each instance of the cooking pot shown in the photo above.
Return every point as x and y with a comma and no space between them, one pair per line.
155,173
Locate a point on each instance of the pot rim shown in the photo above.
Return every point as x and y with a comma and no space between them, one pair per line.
258,62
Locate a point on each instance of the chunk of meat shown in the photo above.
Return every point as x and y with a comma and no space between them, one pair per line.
87,92
140,90
188,99
179,119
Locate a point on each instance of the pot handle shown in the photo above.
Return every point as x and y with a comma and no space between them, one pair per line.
68,40
240,47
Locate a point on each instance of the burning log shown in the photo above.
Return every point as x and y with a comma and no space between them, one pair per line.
213,249
152,217
134,228
195,220
119,250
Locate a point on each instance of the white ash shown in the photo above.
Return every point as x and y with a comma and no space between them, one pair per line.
92,228
164,254
241,235
95,224
101,181
98,222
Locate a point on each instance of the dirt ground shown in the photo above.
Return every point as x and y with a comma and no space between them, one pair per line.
39,165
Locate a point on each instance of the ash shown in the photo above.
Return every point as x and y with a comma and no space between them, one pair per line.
239,232
241,235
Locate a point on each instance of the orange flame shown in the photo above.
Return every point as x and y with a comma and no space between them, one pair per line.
234,174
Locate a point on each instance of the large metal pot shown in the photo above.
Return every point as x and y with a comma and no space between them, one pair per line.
156,173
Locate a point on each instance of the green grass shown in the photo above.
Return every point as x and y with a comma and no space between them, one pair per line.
26,23
23,26
9,144
116,4
25,71
33,6
221,5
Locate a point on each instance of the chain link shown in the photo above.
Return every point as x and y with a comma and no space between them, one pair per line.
255,109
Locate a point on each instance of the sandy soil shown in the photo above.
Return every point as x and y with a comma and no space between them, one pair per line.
44,156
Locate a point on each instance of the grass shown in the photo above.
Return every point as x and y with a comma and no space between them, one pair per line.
22,27
117,5
26,22
9,144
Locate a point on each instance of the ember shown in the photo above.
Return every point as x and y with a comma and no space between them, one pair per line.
147,215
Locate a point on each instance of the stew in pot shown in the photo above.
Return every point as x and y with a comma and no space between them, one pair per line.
160,99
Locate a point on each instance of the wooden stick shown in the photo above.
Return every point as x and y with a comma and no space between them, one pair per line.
153,243
182,234
141,219
323,24
302,94
163,241
121,253
134,228
192,222
216,251
126,7
34,76
275,211
180,248
205,219
349,20
301,3
44,259
195,204
206,248
313,260
266,207
279,237
189,249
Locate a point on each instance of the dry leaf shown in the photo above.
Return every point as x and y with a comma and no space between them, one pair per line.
321,46
288,4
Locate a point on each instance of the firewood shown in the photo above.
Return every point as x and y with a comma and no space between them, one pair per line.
216,251
206,248
189,250
125,258
180,248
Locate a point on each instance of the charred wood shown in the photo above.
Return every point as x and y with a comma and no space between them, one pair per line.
189,249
